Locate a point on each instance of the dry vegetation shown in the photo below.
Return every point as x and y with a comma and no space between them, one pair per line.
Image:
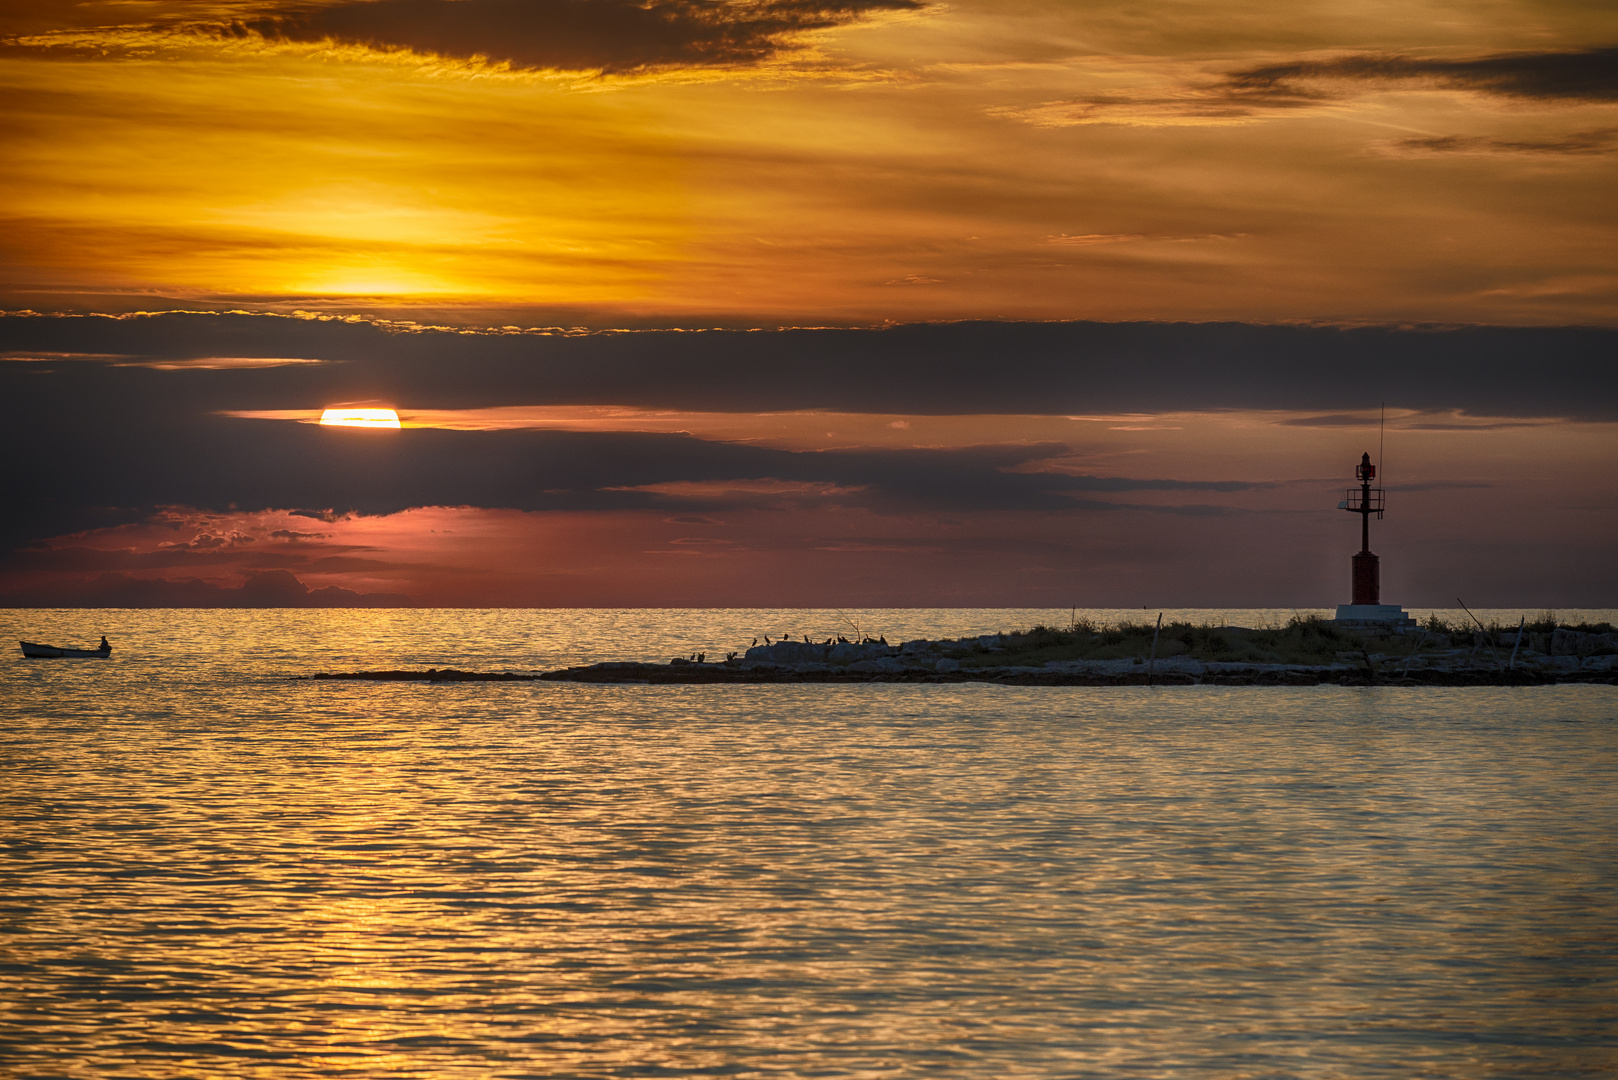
1299,641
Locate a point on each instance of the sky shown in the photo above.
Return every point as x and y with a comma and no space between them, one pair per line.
782,303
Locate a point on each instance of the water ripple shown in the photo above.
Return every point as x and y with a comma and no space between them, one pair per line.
206,870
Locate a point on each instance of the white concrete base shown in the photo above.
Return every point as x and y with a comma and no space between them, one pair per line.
1373,617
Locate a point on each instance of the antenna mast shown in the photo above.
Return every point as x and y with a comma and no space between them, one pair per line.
1381,440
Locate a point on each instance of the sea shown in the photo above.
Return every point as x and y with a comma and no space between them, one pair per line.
212,867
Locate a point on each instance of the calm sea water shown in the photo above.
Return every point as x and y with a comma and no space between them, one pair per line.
210,870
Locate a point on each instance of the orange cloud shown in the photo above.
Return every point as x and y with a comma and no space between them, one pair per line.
973,160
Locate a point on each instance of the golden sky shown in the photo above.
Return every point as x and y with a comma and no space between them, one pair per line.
604,163
1124,287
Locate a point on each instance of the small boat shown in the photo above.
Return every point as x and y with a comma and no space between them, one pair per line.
43,652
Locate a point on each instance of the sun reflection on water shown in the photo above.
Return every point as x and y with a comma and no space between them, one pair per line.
258,876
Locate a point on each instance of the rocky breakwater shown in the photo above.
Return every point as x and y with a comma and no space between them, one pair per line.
1008,659
1558,650
784,661
1304,654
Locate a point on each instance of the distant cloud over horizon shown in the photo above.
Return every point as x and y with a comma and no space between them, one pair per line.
1054,368
875,442
262,589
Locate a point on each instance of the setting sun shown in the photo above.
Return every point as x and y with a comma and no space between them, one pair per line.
364,418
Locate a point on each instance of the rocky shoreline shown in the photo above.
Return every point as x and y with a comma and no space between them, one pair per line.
685,672
1370,660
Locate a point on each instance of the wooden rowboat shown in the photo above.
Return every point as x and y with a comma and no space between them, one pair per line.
43,652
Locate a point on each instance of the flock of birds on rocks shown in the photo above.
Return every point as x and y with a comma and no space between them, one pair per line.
838,640
702,657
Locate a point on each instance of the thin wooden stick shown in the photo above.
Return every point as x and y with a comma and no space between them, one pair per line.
1520,624
1414,649
1152,663
1498,666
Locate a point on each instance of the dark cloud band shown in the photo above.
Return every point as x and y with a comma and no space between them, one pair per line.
1047,369
138,437
1568,77
587,35
1578,75
1599,141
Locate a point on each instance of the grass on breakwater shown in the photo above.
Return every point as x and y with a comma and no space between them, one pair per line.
1300,641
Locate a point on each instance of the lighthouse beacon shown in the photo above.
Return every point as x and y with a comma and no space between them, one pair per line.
1367,612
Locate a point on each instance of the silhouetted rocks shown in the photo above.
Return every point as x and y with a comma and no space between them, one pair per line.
430,675
1304,652
1094,673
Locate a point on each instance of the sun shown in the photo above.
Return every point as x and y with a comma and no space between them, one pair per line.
362,418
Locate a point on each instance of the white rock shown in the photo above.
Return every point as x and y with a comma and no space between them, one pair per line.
849,652
1574,643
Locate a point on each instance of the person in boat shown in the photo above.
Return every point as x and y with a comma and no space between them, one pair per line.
105,644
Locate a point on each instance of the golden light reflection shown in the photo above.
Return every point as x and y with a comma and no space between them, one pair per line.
360,418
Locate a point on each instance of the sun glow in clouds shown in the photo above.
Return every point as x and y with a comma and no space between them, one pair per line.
362,418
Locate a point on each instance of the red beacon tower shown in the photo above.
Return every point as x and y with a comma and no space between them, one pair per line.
1367,611
1367,567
